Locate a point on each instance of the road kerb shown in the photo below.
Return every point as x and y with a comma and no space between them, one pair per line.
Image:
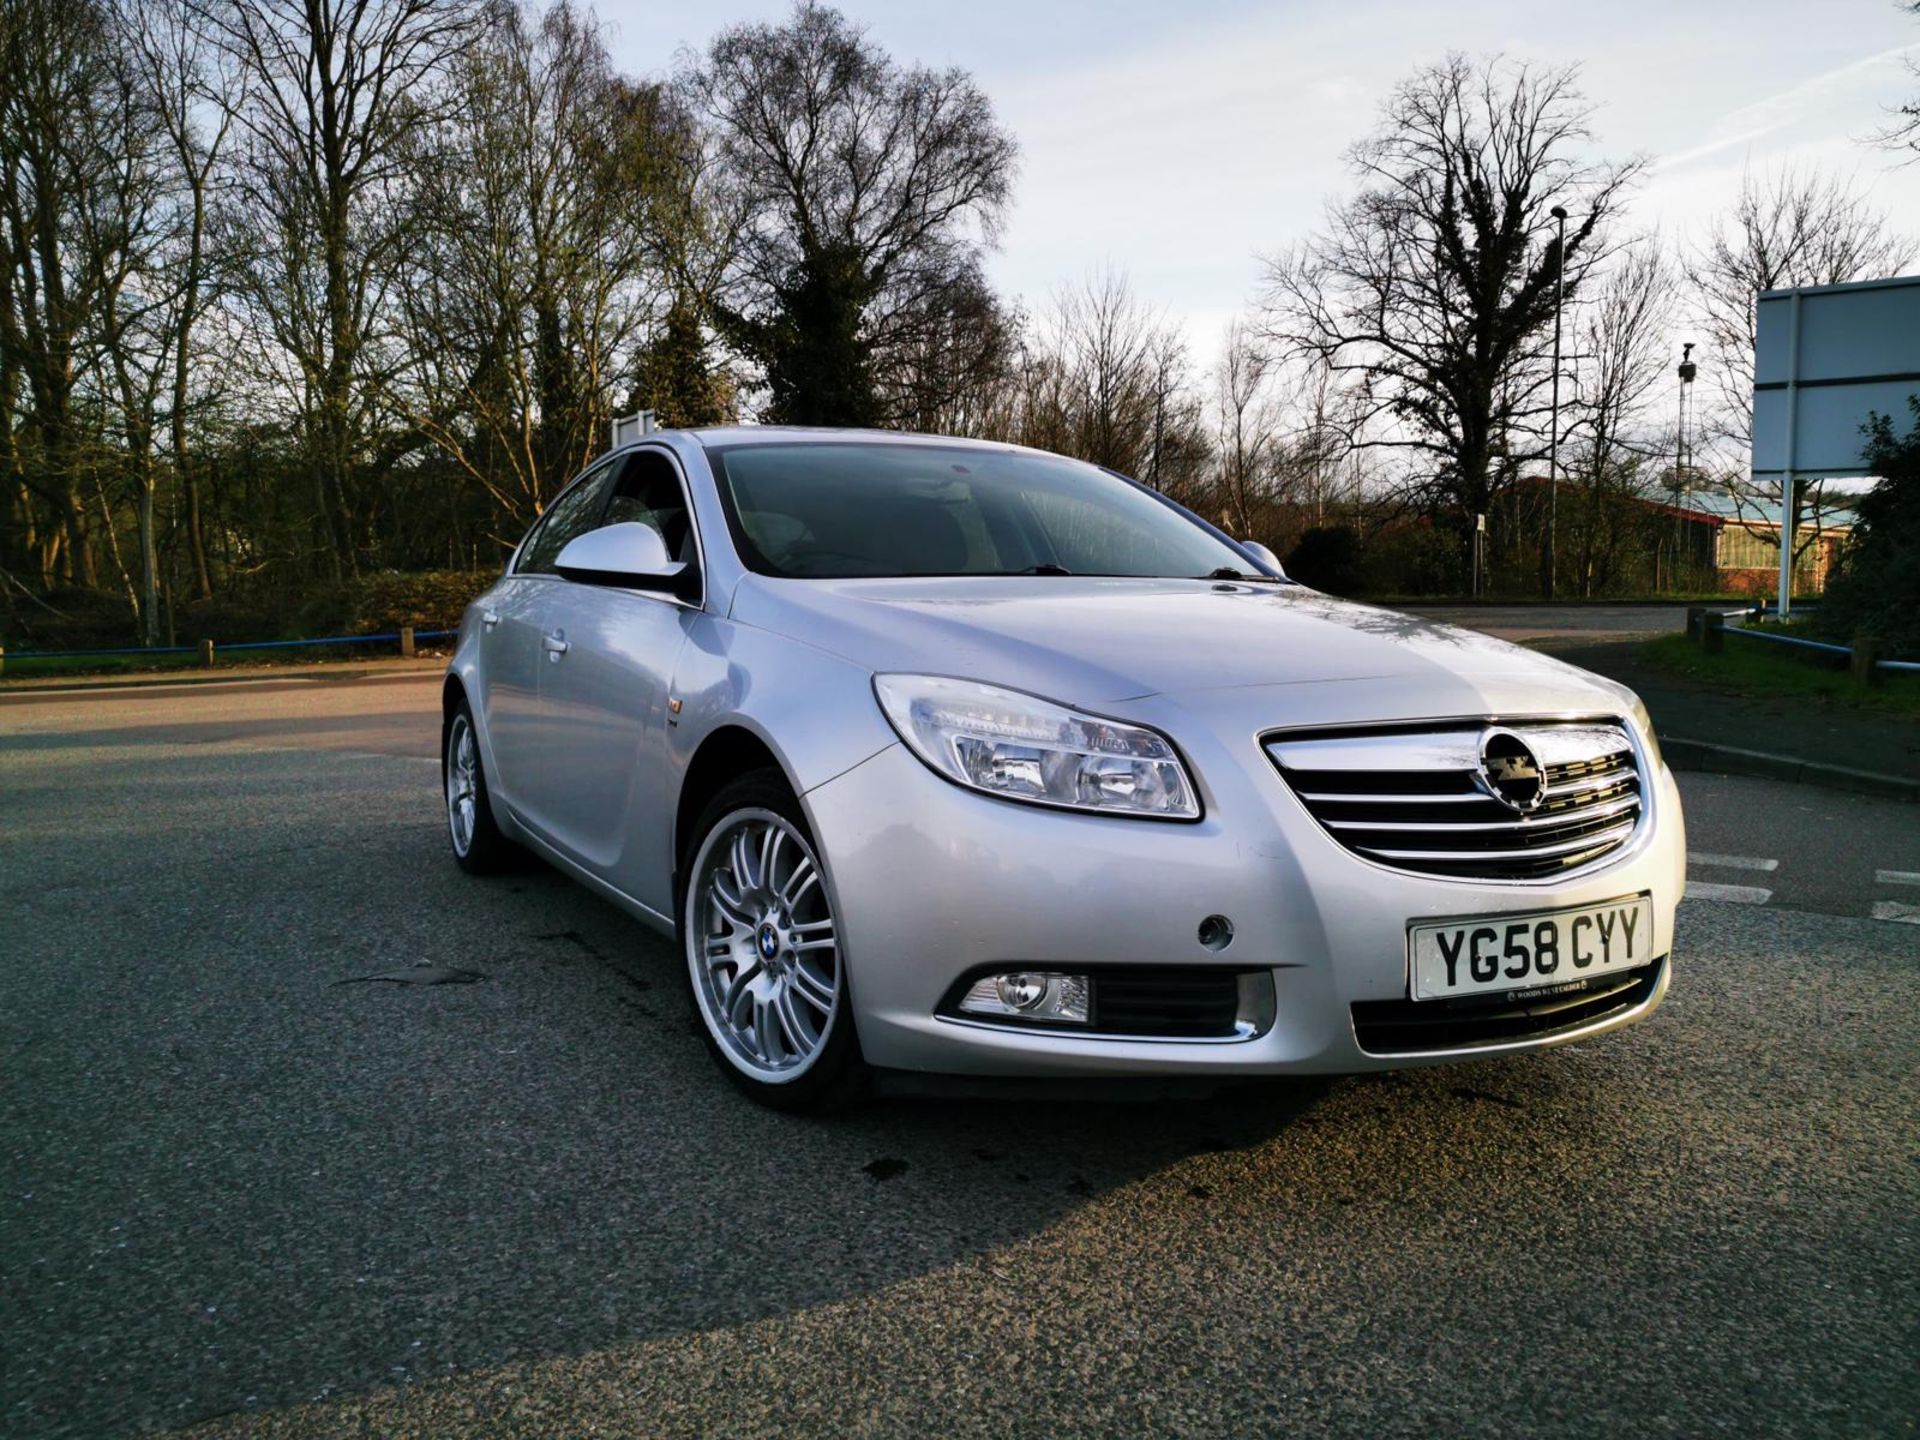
1685,754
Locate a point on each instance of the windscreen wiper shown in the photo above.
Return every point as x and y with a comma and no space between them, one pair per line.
1045,567
1227,572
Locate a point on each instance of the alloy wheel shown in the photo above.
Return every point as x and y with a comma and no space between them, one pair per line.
761,945
463,768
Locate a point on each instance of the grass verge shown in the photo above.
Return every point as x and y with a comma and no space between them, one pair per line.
1748,667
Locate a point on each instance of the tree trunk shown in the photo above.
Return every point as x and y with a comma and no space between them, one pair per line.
142,459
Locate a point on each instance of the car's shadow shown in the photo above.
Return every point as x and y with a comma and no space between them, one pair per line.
255,1184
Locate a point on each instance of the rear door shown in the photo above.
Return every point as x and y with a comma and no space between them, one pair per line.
513,627
604,697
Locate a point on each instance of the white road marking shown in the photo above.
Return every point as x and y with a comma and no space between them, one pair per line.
1731,894
1730,862
1896,877
1895,911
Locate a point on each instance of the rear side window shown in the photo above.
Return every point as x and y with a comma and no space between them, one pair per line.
574,513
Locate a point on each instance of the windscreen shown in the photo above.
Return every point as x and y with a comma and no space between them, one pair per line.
820,510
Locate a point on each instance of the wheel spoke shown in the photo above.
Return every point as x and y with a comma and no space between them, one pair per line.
817,942
815,989
743,875
770,845
801,1035
731,908
805,876
766,1030
739,995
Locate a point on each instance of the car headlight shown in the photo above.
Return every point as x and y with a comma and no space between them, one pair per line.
1645,723
1021,747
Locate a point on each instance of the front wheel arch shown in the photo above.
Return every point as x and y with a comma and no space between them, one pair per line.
838,1075
722,757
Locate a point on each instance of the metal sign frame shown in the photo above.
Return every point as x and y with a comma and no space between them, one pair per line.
1825,357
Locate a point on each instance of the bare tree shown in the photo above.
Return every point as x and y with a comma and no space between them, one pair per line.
127,233
58,89
180,72
1433,287
1787,228
870,188
1614,436
530,282
335,93
1902,132
696,210
1247,430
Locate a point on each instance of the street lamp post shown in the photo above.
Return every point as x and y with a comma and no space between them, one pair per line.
1553,434
1682,460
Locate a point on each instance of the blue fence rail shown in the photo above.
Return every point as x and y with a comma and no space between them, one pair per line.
389,637
1822,646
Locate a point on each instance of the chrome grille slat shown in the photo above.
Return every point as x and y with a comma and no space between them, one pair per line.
1581,786
1600,840
1445,827
1413,799
1352,798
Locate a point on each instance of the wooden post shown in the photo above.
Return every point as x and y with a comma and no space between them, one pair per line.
1866,660
3,659
206,653
406,641
1694,612
1713,631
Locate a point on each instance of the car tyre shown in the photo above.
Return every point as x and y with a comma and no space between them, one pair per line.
478,846
764,963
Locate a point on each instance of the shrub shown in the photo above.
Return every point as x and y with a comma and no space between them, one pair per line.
1328,558
66,620
1415,558
378,604
1877,589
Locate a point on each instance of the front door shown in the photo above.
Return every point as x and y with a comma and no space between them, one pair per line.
604,698
513,628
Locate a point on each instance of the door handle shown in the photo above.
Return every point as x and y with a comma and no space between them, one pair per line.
556,644
489,618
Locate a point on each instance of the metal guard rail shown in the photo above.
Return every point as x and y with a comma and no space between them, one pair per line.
1908,666
391,637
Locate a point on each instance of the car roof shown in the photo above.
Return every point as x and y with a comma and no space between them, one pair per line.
728,435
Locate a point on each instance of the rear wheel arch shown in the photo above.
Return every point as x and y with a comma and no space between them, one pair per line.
452,692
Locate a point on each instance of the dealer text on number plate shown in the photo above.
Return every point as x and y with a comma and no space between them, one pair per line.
1530,951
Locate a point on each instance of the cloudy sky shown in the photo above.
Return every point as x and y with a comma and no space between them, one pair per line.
1179,141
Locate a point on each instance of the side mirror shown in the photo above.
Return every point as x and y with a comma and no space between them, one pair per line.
1254,548
629,555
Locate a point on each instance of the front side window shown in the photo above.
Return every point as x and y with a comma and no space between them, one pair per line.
574,513
830,510
648,491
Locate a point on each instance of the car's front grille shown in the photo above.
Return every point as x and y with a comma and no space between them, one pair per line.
1421,800
1412,1027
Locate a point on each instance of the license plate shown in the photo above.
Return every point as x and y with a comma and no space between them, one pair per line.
1530,951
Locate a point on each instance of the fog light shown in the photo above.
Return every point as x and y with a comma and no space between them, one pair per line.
1020,992
1030,995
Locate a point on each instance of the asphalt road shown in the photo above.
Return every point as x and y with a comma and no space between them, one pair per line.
245,1189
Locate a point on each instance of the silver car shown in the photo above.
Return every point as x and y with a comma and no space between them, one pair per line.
966,759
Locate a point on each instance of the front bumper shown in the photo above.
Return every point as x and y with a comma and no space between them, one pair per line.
931,881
